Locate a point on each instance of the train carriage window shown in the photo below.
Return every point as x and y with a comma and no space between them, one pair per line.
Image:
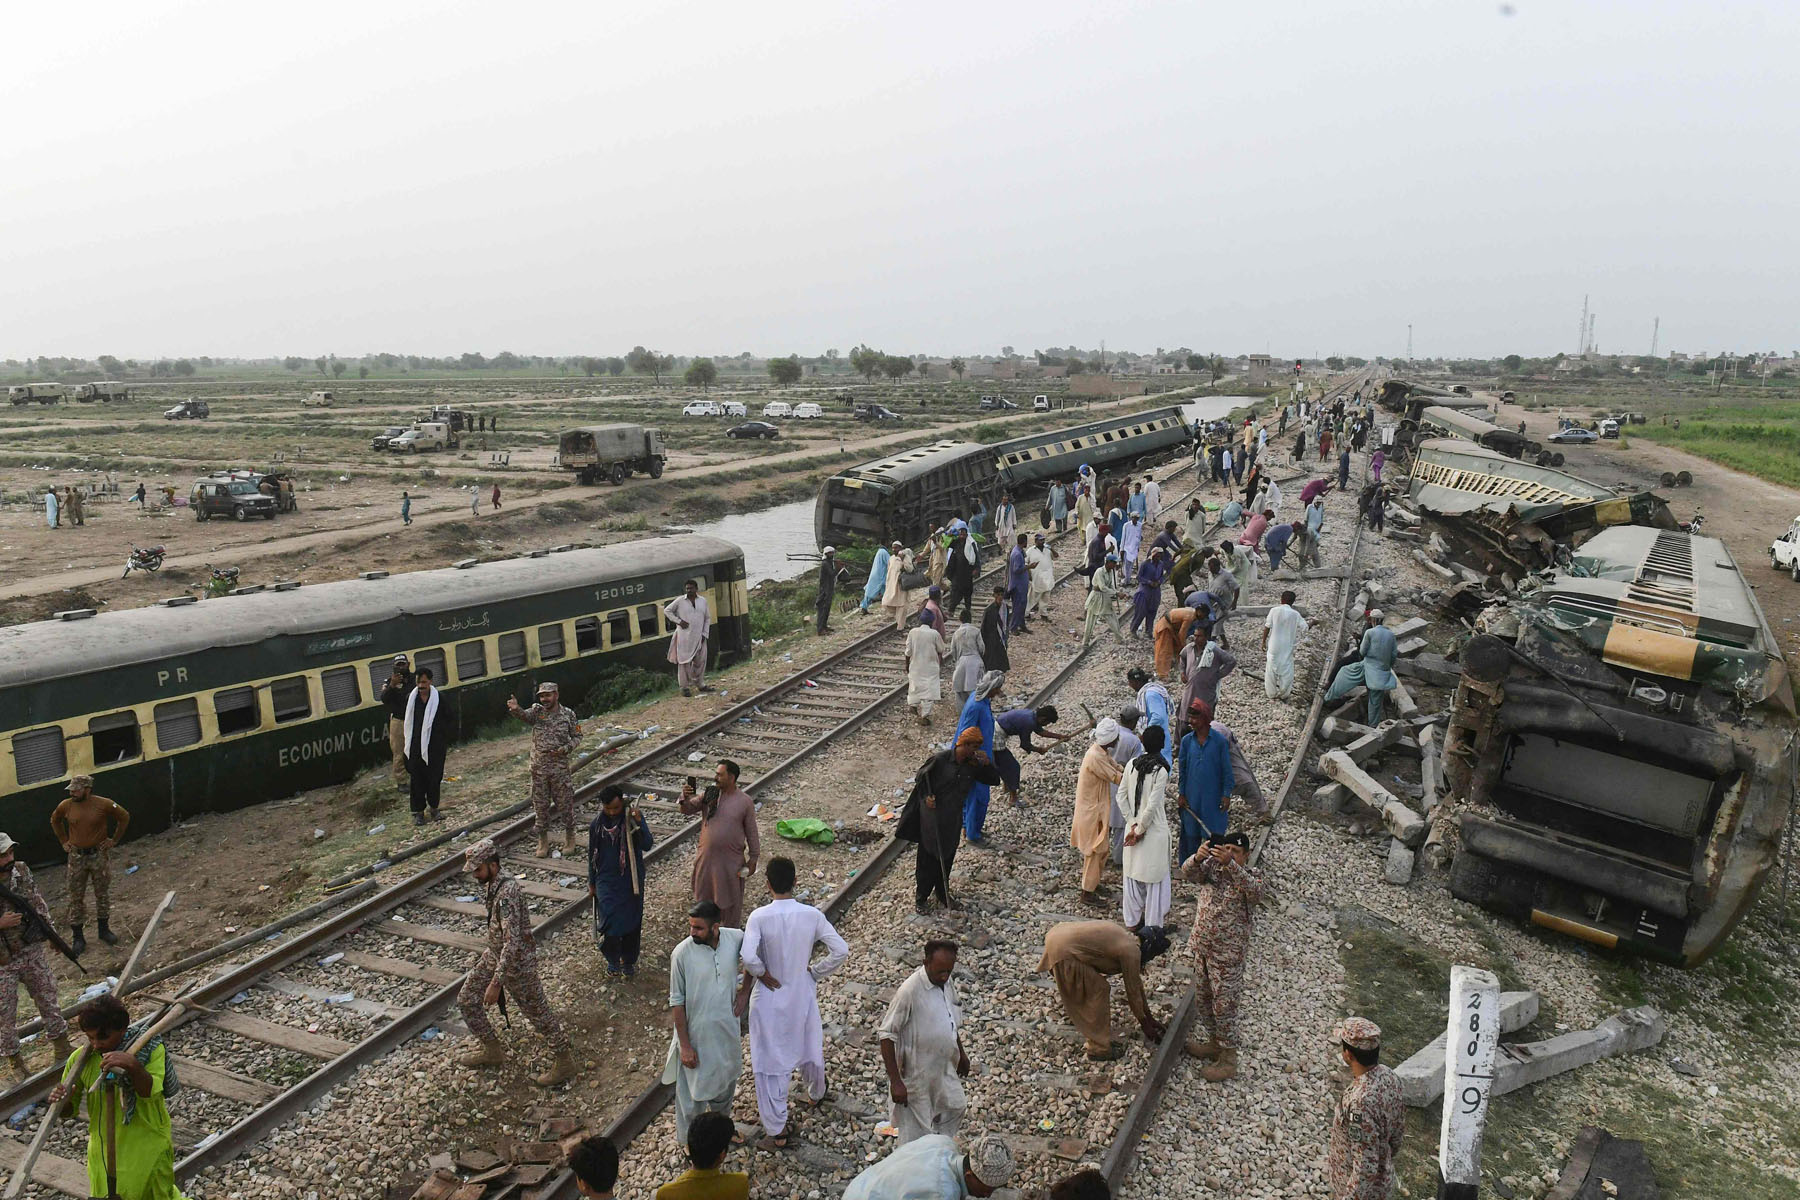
380,671
237,711
550,642
471,660
1076,443
178,722
618,628
339,686
587,634
38,754
512,652
291,699
1107,436
1058,447
1137,429
432,660
115,738
646,622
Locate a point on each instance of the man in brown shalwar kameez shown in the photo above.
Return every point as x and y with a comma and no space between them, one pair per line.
1080,956
730,843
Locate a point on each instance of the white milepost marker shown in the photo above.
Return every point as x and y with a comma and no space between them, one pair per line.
1474,1038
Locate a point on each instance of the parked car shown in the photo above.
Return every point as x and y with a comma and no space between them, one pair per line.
753,429
996,403
1784,551
188,410
1574,434
319,400
778,408
1040,404
734,408
875,412
380,441
702,408
425,435
808,411
239,499
1609,428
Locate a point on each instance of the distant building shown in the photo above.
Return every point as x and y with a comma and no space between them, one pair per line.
1259,370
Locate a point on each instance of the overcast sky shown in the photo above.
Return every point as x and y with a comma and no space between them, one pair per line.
557,178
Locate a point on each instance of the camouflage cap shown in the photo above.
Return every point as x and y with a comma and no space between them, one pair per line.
481,852
547,686
76,781
1359,1033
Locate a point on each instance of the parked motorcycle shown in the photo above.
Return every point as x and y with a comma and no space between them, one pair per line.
143,558
222,581
1694,525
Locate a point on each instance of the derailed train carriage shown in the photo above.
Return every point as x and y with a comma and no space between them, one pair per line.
183,708
905,496
1622,747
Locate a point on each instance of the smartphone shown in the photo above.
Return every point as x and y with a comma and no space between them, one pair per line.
694,782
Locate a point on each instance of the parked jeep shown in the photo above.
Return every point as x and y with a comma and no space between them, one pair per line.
187,410
239,499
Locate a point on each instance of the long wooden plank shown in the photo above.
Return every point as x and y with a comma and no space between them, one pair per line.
313,1045
548,891
70,1178
227,1085
399,968
460,907
561,866
437,937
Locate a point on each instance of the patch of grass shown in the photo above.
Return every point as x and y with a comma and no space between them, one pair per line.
777,609
624,687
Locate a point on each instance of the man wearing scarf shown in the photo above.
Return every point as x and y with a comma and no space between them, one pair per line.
136,1118
978,714
933,814
618,838
427,733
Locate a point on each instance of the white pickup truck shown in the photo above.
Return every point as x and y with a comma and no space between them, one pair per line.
1784,551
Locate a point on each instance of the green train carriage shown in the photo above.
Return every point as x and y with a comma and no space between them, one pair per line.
184,708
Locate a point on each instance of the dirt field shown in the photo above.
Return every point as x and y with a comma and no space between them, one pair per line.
349,495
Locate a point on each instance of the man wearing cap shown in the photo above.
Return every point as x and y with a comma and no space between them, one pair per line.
1206,779
1369,1118
828,581
1081,956
89,826
933,1168
691,616
933,814
399,687
1373,670
1090,826
554,735
1103,589
1228,893
978,714
508,967
22,961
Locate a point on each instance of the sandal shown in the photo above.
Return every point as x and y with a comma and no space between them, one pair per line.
772,1143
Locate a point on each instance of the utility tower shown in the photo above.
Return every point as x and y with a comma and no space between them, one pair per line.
1409,343
1655,329
1590,348
1581,332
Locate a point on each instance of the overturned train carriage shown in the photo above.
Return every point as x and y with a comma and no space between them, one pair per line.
1623,742
905,496
223,704
1513,514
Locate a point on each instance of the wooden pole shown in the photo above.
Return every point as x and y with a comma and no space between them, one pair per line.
22,1174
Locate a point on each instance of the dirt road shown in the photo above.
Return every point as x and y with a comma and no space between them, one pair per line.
1744,512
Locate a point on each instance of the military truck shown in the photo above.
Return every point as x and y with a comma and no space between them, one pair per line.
230,496
612,452
43,393
105,392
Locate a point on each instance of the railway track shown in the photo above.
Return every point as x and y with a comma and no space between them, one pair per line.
267,1038
1116,1161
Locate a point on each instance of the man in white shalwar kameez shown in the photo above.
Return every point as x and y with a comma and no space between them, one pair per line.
785,1032
922,1049
1006,522
1282,630
692,619
1152,501
706,1055
1042,566
898,602
925,652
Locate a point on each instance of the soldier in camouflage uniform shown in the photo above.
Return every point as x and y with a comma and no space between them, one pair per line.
22,960
509,962
554,734
1369,1118
1229,890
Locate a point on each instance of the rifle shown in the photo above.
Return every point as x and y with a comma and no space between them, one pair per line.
35,920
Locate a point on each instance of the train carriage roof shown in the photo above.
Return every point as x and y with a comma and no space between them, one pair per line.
897,468
1031,441
52,649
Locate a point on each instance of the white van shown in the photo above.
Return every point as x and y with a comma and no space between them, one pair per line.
733,408
807,411
319,400
1609,428
1040,404
778,408
702,408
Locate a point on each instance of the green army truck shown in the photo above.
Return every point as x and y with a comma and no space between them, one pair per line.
597,452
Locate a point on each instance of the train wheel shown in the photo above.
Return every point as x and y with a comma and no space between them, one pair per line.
1556,460
1543,458
1684,479
1668,479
